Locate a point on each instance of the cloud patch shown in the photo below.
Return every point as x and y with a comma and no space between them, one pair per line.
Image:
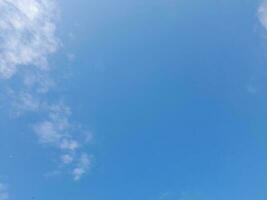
83,165
27,34
3,192
27,39
262,14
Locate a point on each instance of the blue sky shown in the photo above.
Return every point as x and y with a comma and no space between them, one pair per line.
147,100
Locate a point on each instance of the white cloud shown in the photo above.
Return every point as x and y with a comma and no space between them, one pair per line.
47,132
3,192
27,34
69,144
262,14
55,128
27,38
84,164
40,82
67,158
25,102
59,132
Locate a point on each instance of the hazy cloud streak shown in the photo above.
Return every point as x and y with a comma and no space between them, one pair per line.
3,192
27,38
262,14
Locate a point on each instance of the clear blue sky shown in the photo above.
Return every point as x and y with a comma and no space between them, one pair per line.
172,93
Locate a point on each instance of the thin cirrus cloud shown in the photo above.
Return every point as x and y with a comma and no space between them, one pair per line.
3,192
27,34
27,38
262,14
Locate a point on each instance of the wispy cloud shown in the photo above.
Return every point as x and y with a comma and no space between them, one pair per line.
27,38
27,34
83,165
58,131
262,13
3,192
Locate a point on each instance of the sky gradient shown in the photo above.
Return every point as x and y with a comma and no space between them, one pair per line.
133,100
